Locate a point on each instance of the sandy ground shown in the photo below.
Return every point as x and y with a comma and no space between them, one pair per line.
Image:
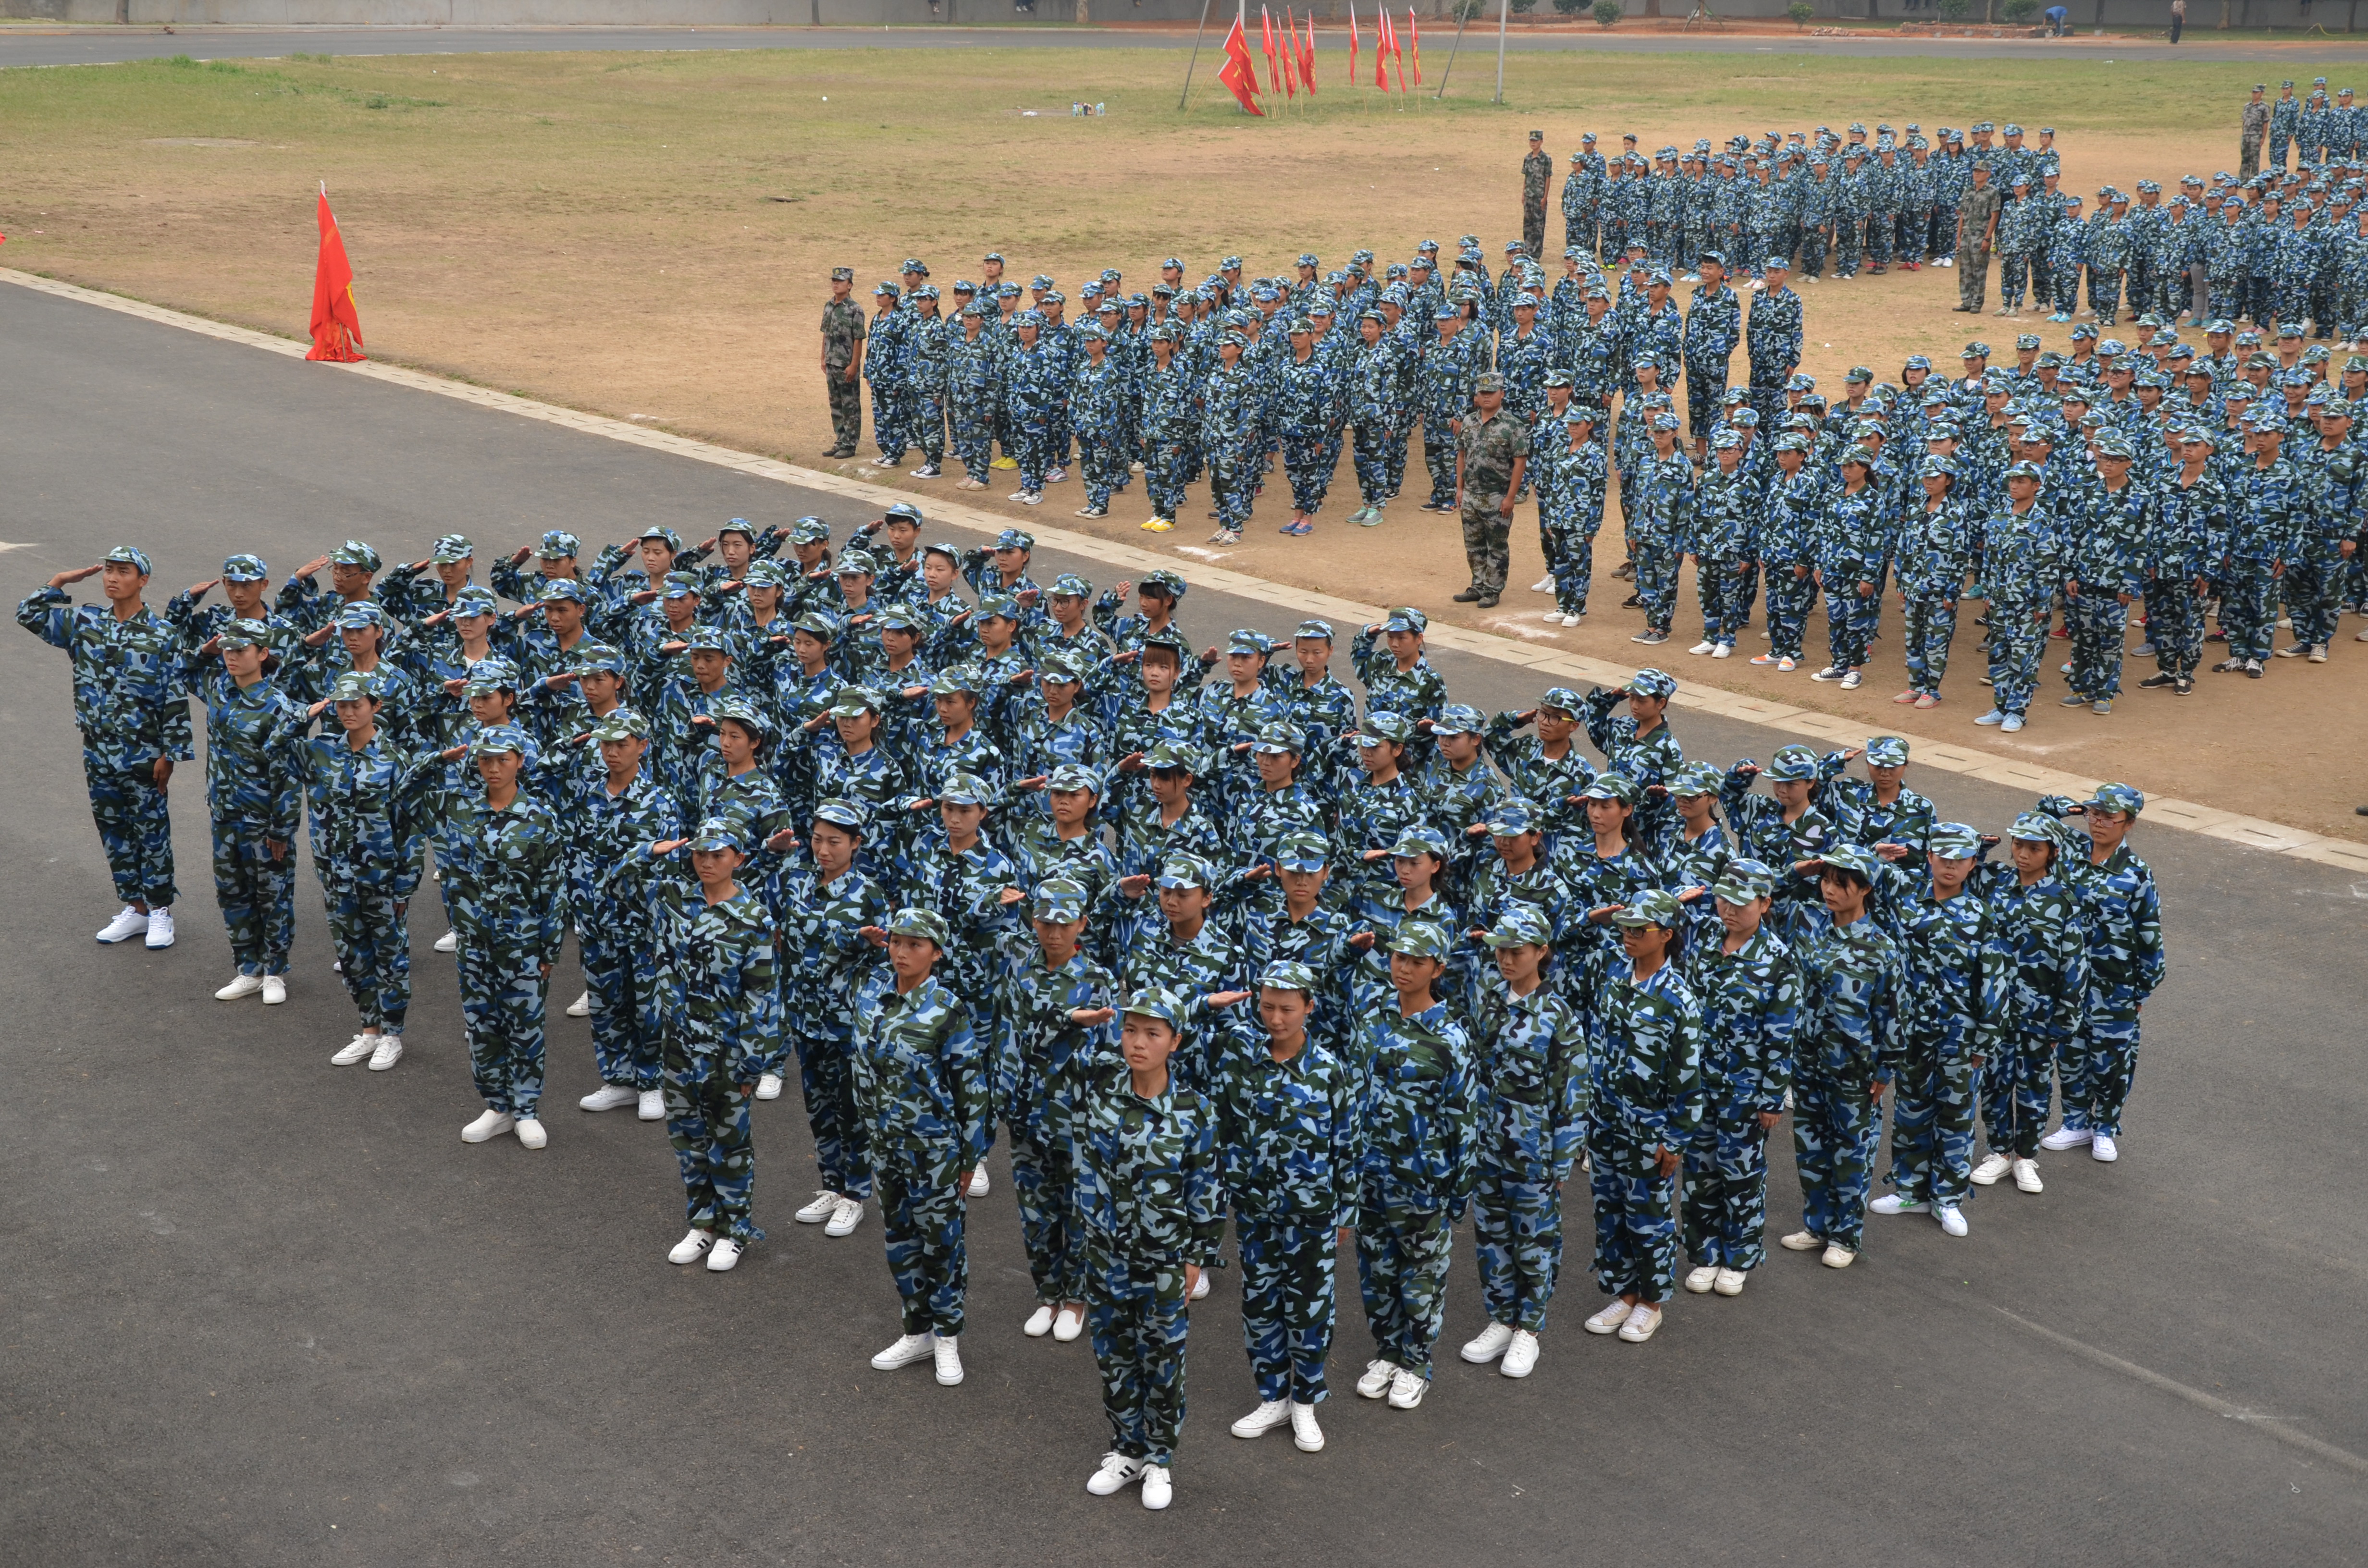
647,236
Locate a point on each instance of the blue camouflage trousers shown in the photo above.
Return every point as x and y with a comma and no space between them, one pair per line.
1837,1127
1234,483
1932,1118
1439,457
2099,623
1399,440
1167,468
926,408
1848,235
890,410
921,1215
1311,476
2097,1064
1135,1316
372,938
620,970
1812,253
1791,597
2248,609
1570,557
973,425
1402,1258
1287,1303
2015,1092
707,1121
257,895
2018,638
2315,591
1045,1180
2014,266
1725,1205
1103,462
1656,582
1928,627
2104,292
2174,625
502,994
135,828
1705,384
1719,584
840,1154
1032,451
1369,449
1848,622
1635,1228
1517,1237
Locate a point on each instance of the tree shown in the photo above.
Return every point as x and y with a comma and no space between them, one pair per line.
2019,12
1801,11
1606,12
1954,9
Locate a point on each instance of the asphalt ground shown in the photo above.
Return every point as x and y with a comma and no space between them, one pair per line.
263,1311
95,45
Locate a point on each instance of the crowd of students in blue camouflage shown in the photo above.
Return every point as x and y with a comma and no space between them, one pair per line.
1210,939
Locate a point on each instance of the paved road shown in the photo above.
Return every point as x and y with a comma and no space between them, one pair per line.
88,46
262,1310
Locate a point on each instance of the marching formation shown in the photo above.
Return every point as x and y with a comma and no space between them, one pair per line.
1207,938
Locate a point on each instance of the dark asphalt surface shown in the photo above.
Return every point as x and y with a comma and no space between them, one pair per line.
263,1311
91,45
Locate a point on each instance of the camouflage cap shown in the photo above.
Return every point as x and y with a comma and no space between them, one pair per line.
475,600
664,535
621,724
854,702
1072,777
1653,683
1953,841
955,680
1419,839
1068,585
1743,879
742,712
1301,851
452,549
245,569
559,545
354,687
363,616
1384,726
962,788
839,811
595,658
809,530
1886,750
1405,618
914,921
1855,858
1060,901
1320,629
1287,974
354,552
1421,939
818,623
856,563
1793,764
554,588
1163,582
1152,1001
1653,906
1168,754
679,585
2117,797
765,574
1612,787
1521,924
243,634
1562,700
1696,779
496,738
1458,718
1512,817
1185,871
1281,738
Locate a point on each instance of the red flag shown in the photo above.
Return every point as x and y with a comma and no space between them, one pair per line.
1416,27
1238,73
1398,53
1289,40
1352,43
1382,51
337,325
1307,59
1273,70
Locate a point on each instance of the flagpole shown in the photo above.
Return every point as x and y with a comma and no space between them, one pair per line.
1196,56
1463,14
1504,9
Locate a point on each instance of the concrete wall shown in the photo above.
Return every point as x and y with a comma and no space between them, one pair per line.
2203,15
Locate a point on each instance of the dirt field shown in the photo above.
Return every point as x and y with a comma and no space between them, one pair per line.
647,236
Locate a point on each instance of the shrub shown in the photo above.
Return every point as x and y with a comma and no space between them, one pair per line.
1800,11
2019,12
1608,12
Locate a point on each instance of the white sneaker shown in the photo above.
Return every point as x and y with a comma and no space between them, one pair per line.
688,1249
1724,651
1118,1473
1700,1282
160,927
2026,1176
1838,1255
1704,646
911,1347
1544,585
1407,1388
1895,1203
845,1218
1730,1281
610,1096
1608,1321
1952,1218
530,1132
1489,1343
1199,1290
1158,1490
1068,1324
1305,1434
239,985
130,922
492,1124
354,1049
1641,1324
722,1255
1802,1241
1571,619
977,1187
769,1085
948,1350
389,1053
1269,1415
1039,1324
1375,1380
651,1107
2103,1149
581,1007
2067,1136
1987,1173
275,989
1853,680
1520,1356
823,1206
449,942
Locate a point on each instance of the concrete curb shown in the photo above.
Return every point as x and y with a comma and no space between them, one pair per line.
2162,811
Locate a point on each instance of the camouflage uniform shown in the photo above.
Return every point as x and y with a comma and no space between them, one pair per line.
723,1013
1149,1204
1953,1006
1487,449
2041,933
366,840
921,1085
610,868
255,797
131,708
1537,174
1750,1015
1534,1080
1648,1096
823,945
1046,1066
842,337
2121,911
1849,1038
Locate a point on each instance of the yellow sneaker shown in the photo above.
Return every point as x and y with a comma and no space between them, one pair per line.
1160,524
1005,462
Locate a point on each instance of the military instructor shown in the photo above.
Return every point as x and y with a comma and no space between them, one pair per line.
842,363
1977,221
1537,174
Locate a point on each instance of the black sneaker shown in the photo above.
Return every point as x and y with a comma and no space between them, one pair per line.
1487,601
1630,602
2185,688
1468,596
2155,682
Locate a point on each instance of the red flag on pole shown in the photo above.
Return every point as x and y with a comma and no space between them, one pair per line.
337,325
1382,50
1352,43
1289,40
1416,29
1307,58
1239,74
1273,70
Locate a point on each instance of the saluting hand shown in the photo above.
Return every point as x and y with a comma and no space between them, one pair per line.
66,579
